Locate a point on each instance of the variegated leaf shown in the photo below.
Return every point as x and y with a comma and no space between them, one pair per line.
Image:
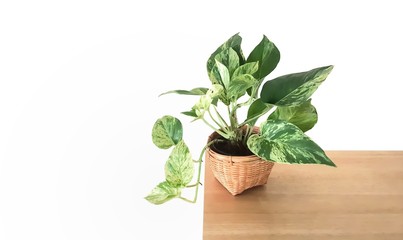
247,68
179,168
215,77
239,85
268,56
224,74
206,100
194,91
215,91
233,42
167,131
256,110
162,193
294,89
283,142
303,116
203,103
229,59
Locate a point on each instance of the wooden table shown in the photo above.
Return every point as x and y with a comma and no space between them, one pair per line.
360,199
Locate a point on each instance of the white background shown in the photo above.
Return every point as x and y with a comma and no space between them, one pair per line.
79,82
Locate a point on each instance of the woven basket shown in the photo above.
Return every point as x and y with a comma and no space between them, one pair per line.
238,173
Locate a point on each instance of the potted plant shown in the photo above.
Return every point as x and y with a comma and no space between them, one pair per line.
241,154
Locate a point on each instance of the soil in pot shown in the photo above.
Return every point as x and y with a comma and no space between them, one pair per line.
225,147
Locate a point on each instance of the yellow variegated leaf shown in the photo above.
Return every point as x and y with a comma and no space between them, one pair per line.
179,168
162,193
283,142
167,131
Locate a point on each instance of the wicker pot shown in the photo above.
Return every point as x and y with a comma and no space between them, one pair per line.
238,173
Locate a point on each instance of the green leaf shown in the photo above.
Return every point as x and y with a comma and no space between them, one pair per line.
179,168
257,109
206,100
191,113
223,74
215,76
167,131
247,68
239,85
283,142
162,193
229,59
294,89
268,56
194,91
216,79
303,116
233,42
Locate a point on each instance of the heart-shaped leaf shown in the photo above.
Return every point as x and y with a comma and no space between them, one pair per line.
303,116
179,168
268,56
283,142
162,193
294,89
233,42
167,131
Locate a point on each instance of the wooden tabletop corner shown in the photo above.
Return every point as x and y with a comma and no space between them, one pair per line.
360,199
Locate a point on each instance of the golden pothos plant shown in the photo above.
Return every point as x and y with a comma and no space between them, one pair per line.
237,82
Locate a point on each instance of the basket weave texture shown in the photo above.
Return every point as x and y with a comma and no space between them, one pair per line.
238,173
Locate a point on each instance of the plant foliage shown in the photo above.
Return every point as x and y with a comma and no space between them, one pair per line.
239,83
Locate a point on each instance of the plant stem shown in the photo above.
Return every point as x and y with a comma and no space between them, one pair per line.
253,95
198,174
187,200
229,113
247,103
220,117
248,132
193,185
215,121
234,122
257,116
225,135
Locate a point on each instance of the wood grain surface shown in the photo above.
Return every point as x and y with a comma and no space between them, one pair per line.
360,199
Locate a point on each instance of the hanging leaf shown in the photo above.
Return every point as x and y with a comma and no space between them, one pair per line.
167,131
294,89
162,193
268,56
194,91
303,116
283,142
179,168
